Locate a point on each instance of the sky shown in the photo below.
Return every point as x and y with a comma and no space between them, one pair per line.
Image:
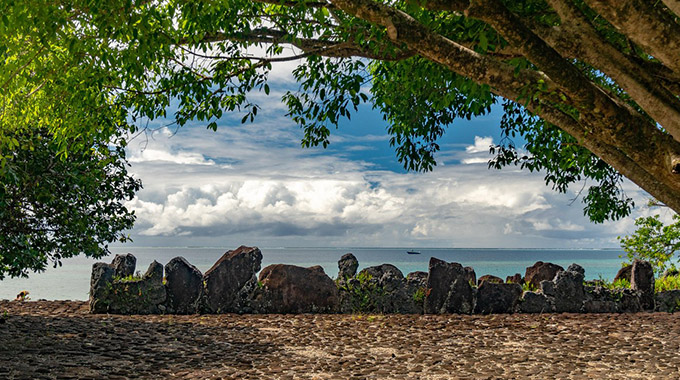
254,184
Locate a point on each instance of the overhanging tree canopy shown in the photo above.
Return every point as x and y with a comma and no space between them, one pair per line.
590,85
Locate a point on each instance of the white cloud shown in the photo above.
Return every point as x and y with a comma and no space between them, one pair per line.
254,183
481,145
475,160
182,158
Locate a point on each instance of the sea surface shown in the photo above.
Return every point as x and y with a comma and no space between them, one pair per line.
71,281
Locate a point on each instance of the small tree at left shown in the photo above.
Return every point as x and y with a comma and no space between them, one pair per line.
55,205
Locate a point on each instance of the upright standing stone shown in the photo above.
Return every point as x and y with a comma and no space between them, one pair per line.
541,271
449,289
100,284
567,290
347,266
183,286
124,265
389,293
293,289
642,280
230,282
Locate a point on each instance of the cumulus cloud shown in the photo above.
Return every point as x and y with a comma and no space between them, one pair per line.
182,158
481,145
254,183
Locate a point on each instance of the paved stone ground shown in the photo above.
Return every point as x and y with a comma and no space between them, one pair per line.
59,339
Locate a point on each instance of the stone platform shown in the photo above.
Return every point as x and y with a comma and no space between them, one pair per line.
61,339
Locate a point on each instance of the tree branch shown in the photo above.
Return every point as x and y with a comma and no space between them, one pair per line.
311,46
612,119
306,4
646,25
577,38
606,122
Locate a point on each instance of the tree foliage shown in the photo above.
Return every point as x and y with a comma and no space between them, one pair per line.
654,241
62,162
590,86
52,208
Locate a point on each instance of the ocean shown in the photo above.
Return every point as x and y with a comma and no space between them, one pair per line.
71,281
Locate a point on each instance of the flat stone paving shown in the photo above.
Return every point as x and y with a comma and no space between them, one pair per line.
59,339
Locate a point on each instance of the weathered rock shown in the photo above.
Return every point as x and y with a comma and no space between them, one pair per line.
470,275
293,289
229,284
493,297
417,278
184,283
668,301
386,274
628,300
642,280
576,269
514,279
567,290
599,300
548,288
100,284
533,302
489,278
602,300
449,289
541,271
624,273
124,265
138,296
416,290
381,289
317,268
347,266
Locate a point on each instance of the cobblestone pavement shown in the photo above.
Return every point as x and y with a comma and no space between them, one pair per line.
59,339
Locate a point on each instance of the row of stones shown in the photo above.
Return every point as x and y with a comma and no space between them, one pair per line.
232,286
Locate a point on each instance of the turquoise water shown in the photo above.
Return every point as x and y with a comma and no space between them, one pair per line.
71,281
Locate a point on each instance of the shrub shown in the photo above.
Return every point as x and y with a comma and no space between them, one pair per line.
529,287
667,283
364,293
420,294
653,241
621,283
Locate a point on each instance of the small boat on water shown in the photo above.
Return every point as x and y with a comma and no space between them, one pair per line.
413,253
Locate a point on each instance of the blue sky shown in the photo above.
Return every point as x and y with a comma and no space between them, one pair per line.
253,184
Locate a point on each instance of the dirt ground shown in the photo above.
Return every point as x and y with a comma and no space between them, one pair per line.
61,340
